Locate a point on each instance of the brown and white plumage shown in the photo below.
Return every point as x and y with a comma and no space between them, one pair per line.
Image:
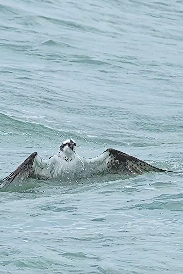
68,164
120,160
23,171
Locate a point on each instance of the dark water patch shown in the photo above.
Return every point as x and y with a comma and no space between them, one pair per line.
99,219
7,9
73,25
161,184
64,23
19,46
56,44
57,208
30,186
18,130
79,255
84,59
164,202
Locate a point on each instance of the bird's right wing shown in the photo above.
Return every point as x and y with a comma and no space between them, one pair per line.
23,171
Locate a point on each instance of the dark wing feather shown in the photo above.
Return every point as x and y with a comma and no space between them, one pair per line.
23,171
121,161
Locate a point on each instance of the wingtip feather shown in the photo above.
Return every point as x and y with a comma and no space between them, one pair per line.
24,170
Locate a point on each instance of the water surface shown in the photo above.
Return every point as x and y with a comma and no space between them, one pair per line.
107,74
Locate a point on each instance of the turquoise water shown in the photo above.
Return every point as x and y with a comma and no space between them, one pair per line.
107,74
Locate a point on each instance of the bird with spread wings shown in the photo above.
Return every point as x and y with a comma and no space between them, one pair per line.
68,163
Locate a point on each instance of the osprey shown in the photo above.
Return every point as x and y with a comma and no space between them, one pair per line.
67,163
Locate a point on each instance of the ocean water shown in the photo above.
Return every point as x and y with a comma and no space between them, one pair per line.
107,74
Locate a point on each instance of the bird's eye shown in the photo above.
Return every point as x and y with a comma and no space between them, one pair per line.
62,146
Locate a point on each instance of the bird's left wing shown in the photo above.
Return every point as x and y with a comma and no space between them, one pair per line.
115,161
118,160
